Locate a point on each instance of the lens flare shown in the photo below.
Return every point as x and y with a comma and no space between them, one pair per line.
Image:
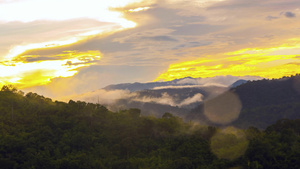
223,109
229,143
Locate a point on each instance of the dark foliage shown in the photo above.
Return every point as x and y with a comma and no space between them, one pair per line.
263,102
39,133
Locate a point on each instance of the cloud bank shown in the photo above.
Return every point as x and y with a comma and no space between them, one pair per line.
166,99
178,93
102,96
111,97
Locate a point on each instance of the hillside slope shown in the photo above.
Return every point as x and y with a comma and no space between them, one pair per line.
263,102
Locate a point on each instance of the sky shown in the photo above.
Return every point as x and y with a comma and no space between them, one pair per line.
63,47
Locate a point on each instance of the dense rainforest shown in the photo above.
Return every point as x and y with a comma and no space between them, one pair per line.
263,102
37,132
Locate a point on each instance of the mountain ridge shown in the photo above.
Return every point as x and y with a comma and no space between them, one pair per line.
217,80
178,96
263,102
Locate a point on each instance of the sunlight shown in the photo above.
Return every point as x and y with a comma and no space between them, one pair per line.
229,143
26,74
21,49
15,68
32,10
35,10
139,9
273,62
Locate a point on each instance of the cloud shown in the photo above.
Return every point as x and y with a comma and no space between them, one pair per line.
289,14
33,10
102,96
297,57
110,97
221,81
196,29
187,86
192,45
196,98
178,38
93,78
161,38
188,81
152,95
8,1
28,71
224,80
270,18
155,38
18,37
168,32
82,57
233,65
166,99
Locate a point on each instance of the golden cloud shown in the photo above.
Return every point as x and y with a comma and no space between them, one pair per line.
32,70
263,62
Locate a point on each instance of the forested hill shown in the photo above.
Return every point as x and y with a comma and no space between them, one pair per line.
263,102
269,92
39,133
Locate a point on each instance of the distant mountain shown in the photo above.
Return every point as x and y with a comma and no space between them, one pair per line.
224,81
132,87
155,98
261,102
177,101
238,83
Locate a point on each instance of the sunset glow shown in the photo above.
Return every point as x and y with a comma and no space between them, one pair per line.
150,84
22,72
263,62
16,69
138,9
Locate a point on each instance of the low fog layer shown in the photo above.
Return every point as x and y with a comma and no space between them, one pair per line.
180,94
